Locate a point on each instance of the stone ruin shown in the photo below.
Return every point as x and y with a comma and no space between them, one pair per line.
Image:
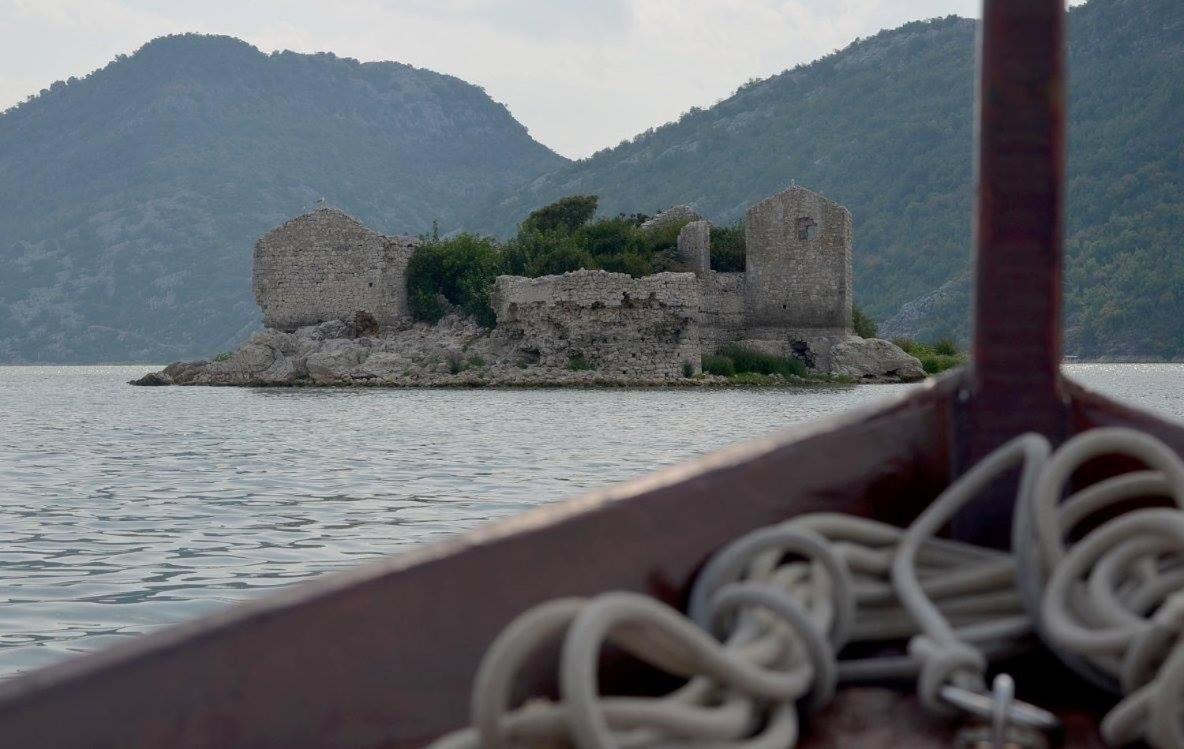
325,265
645,328
793,298
675,216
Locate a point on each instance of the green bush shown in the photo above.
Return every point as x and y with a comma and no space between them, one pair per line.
727,248
934,359
459,270
945,347
688,369
718,365
224,356
563,237
864,326
558,238
747,360
565,215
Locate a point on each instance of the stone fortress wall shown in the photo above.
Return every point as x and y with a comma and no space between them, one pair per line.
325,265
723,318
638,327
798,262
793,299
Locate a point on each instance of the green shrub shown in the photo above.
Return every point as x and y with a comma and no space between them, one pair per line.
934,359
747,360
718,365
945,347
864,326
632,263
608,237
688,369
563,237
936,363
727,248
460,270
562,260
578,363
564,215
225,355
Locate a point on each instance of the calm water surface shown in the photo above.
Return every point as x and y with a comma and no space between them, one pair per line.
124,509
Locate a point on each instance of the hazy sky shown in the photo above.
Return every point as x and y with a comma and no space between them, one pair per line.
580,74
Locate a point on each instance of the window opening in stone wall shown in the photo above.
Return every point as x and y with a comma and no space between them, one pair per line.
807,228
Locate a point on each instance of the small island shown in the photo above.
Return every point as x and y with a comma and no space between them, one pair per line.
628,301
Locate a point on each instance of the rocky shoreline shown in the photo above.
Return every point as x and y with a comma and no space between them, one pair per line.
456,352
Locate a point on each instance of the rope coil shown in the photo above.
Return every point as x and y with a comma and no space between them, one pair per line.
770,613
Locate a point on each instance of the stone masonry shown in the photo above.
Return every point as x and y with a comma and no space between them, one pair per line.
723,318
673,216
638,327
798,247
325,265
694,246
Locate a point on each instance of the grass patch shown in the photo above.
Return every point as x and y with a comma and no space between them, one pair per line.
936,358
754,378
718,365
754,362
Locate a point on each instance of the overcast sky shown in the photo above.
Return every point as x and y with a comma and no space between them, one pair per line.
580,74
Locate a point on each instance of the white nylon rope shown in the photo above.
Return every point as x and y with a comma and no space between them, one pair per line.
769,614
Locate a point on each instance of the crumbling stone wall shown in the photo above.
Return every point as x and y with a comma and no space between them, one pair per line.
723,316
694,246
673,216
638,327
325,265
798,262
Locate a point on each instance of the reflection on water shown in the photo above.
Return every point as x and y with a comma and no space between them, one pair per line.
128,508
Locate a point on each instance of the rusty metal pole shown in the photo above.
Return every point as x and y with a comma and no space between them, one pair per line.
1014,381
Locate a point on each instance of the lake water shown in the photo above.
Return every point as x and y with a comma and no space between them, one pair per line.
124,509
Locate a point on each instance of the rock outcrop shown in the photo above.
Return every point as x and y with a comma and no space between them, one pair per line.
454,352
874,359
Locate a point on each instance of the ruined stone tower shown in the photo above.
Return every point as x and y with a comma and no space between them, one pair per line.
799,274
325,265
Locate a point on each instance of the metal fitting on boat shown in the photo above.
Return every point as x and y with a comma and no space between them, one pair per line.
1012,724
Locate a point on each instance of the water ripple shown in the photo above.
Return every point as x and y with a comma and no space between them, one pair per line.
123,509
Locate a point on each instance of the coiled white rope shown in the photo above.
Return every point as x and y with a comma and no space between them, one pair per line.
770,613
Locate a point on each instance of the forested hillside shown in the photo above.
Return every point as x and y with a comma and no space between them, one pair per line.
885,127
130,199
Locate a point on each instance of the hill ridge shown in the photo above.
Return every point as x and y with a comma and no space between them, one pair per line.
130,198
884,126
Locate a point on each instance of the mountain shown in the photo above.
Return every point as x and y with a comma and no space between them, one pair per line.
885,127
130,199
